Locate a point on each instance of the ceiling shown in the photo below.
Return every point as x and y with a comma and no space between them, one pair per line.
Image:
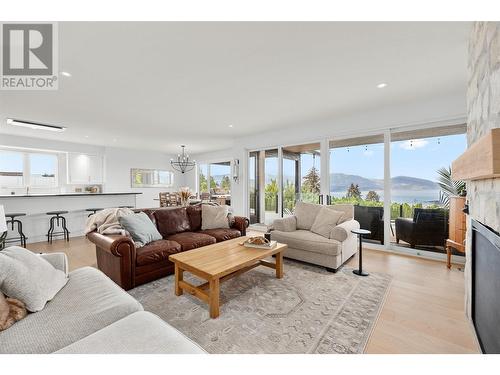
157,85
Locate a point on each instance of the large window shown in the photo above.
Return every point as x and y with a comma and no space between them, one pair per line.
214,182
43,170
11,169
28,169
420,160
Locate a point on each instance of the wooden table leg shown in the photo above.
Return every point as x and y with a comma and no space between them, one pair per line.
448,256
179,275
213,302
279,265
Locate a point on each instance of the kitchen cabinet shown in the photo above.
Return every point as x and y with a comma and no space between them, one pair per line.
84,169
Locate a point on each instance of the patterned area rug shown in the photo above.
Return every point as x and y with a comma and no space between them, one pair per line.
310,310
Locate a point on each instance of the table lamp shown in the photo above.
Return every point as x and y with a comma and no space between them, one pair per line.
3,227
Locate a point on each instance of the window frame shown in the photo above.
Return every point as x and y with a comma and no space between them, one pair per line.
27,180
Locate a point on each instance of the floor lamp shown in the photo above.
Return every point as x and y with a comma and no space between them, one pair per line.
3,228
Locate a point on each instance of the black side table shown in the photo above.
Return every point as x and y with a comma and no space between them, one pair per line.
360,233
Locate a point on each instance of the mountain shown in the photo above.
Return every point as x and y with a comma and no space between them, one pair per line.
341,182
412,183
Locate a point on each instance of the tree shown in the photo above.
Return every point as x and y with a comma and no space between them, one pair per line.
311,181
225,184
203,183
272,187
213,184
353,192
372,196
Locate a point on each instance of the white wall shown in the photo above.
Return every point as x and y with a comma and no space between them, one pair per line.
118,164
440,110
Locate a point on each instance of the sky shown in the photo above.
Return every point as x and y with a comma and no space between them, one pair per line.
417,158
39,163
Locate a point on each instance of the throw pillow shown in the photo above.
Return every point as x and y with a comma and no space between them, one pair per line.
29,278
214,217
325,221
141,228
306,214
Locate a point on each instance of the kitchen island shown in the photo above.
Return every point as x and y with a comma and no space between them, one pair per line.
35,206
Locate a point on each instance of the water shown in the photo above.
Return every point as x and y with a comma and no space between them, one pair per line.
401,196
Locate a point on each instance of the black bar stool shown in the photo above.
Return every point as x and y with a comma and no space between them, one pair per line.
12,220
61,222
93,211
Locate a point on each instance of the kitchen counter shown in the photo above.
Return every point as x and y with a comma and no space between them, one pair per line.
35,206
63,195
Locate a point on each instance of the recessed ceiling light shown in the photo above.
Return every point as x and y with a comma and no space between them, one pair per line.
230,126
381,85
66,74
86,136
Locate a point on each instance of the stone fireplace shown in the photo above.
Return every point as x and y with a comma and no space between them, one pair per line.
483,114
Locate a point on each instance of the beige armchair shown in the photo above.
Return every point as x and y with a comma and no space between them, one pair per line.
332,248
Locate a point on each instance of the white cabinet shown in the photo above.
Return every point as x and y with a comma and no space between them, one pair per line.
85,169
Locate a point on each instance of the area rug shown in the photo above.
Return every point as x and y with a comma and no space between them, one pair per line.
310,310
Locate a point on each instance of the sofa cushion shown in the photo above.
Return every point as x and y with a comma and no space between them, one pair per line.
172,221
141,228
222,234
192,240
138,333
307,241
325,221
29,278
194,214
306,214
156,251
89,302
214,217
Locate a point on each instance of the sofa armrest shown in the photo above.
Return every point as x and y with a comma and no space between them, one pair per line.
58,260
116,256
287,224
241,223
342,231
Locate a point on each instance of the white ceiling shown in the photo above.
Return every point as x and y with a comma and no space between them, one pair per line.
159,85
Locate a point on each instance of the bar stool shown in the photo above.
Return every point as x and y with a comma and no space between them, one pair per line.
12,220
93,211
61,222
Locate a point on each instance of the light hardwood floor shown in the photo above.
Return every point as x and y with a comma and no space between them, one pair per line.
423,311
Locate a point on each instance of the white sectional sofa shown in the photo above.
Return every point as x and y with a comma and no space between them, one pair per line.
92,315
330,251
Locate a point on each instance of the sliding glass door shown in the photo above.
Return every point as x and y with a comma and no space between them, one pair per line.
264,186
301,175
357,177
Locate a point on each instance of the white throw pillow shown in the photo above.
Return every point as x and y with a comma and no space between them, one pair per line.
214,217
325,221
29,278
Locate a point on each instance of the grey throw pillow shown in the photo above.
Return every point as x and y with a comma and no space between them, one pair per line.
29,278
141,228
214,217
326,220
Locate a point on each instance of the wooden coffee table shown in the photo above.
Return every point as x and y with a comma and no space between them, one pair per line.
219,262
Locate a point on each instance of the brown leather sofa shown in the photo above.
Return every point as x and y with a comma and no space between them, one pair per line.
180,227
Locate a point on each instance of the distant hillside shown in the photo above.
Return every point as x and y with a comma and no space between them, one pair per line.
341,181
